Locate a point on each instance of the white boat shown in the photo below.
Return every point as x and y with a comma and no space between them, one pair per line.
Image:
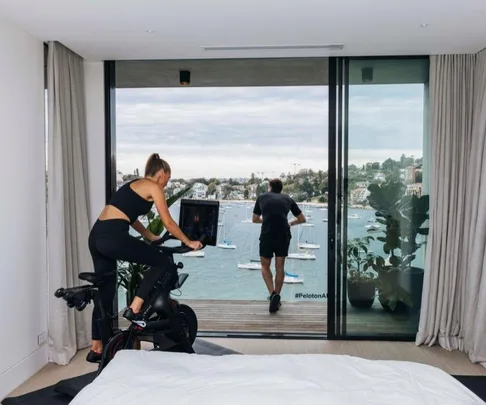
292,279
373,228
325,220
304,245
197,253
250,266
301,256
307,225
248,219
306,236
353,216
225,244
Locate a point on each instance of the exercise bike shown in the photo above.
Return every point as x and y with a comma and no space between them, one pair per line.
166,323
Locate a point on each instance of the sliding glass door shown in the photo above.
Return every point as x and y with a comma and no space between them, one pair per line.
378,196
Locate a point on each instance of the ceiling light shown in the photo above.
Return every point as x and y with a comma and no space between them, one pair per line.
424,25
150,31
267,47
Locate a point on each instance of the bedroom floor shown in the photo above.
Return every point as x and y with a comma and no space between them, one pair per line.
451,362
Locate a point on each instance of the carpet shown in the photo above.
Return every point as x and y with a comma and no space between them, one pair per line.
65,390
475,383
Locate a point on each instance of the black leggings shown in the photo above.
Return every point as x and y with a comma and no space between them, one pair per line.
109,241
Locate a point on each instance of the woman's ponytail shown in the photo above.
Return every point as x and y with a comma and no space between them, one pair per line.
155,164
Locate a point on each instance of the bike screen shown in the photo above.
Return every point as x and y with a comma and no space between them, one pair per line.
199,218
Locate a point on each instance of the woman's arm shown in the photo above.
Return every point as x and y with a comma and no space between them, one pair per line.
138,226
169,223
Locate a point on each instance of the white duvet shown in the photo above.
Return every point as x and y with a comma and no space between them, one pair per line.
140,377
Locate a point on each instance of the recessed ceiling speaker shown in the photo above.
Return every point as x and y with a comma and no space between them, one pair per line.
184,77
367,74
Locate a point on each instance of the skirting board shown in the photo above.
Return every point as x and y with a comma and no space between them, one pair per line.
22,371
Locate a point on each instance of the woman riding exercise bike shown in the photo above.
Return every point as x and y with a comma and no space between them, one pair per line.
110,241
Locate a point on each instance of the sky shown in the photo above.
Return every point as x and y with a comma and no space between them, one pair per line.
233,132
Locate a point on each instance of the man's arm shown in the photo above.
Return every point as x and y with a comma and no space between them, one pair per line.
138,226
257,212
297,213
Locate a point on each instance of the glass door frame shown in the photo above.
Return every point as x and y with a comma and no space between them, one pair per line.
338,127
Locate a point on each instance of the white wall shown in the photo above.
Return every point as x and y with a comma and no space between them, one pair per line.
23,287
95,116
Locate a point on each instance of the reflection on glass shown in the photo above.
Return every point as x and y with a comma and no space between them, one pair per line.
387,209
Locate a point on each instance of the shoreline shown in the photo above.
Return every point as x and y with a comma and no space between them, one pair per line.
313,204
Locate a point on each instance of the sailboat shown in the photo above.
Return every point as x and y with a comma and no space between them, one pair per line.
292,278
301,255
248,219
194,253
253,264
307,245
225,244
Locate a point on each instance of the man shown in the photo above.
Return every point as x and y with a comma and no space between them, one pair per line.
271,210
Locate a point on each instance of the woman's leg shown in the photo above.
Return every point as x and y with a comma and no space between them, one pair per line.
107,291
127,248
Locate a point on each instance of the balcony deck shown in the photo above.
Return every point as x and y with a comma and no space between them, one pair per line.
243,316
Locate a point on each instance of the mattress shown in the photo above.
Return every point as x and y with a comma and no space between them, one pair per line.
140,377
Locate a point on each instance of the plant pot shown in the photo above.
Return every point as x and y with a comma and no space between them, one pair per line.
361,294
412,281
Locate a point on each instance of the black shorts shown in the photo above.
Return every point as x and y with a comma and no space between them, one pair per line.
275,244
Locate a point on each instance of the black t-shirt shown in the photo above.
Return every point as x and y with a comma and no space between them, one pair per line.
274,209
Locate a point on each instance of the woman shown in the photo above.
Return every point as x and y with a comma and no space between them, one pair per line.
110,241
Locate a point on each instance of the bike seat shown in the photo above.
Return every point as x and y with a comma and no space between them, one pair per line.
93,278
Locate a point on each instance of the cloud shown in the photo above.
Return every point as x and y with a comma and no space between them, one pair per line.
232,132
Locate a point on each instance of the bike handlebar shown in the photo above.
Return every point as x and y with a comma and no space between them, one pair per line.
174,249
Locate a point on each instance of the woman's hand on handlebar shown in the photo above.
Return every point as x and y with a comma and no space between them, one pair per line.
195,244
153,238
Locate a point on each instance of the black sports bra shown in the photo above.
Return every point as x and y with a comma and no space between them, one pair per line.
130,203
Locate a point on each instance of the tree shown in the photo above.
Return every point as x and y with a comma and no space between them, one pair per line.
246,194
211,189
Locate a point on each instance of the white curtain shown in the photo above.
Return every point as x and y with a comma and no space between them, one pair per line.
453,311
68,216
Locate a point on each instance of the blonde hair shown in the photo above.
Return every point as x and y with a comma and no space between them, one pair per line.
154,164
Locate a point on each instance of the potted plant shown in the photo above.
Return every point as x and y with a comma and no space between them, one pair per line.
399,282
130,275
360,261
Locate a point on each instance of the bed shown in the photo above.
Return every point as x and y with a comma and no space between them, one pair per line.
141,377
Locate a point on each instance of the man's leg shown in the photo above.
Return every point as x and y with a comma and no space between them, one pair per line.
267,273
280,273
266,255
281,252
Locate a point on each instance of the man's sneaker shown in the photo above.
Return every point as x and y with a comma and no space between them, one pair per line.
274,303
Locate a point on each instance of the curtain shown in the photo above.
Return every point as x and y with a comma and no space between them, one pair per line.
454,296
68,216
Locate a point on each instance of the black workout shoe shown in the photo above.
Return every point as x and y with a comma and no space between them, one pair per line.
274,303
93,357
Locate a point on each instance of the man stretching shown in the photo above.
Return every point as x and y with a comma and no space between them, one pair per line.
271,210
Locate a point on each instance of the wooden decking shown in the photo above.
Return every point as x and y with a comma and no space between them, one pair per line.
293,317
244,316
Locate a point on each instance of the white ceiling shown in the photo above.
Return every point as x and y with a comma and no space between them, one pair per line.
116,29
